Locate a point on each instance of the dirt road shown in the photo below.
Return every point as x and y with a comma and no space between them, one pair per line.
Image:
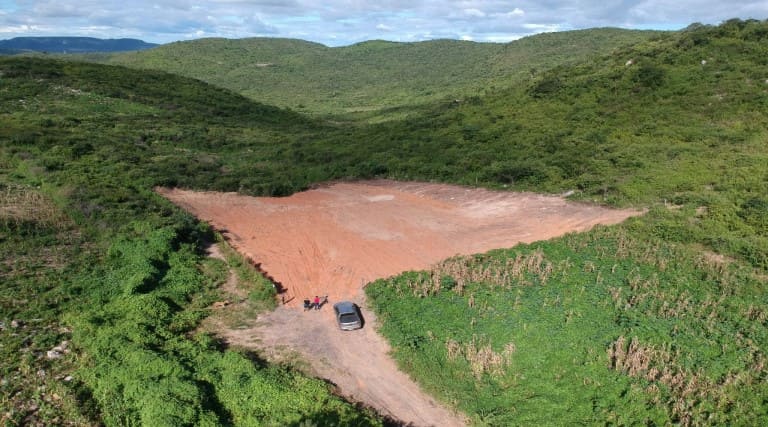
334,239
356,361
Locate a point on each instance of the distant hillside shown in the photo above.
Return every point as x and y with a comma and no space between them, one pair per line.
680,118
620,126
71,45
373,75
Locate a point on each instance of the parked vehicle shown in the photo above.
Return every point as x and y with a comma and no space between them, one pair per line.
348,315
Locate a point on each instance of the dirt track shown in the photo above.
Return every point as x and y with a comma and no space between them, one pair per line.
332,240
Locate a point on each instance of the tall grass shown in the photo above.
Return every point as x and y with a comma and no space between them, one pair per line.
20,205
621,328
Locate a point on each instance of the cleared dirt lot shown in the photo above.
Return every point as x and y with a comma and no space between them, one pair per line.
334,239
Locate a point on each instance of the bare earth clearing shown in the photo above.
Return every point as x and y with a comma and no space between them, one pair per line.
333,240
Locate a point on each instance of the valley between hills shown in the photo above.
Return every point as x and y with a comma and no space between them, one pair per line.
569,228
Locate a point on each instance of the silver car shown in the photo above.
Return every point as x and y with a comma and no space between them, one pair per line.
348,315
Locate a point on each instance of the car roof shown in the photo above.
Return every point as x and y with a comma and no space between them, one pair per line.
345,307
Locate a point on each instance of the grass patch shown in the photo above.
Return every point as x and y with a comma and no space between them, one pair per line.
604,326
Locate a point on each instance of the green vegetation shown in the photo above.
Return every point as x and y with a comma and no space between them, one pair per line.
141,368
104,282
663,128
608,326
636,324
659,321
40,250
372,80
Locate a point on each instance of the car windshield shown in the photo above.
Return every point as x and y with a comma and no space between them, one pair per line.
348,318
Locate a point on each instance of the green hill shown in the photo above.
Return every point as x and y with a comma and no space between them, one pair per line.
658,321
104,282
661,320
370,76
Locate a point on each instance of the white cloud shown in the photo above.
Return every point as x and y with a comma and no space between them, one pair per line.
506,38
339,22
18,30
515,13
542,28
474,12
59,10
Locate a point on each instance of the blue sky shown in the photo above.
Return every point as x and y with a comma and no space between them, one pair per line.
343,22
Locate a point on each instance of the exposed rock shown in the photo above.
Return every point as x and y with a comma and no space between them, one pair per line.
62,348
221,304
53,354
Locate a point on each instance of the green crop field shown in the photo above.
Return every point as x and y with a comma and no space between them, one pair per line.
661,320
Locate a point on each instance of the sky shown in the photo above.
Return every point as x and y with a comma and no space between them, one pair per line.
344,22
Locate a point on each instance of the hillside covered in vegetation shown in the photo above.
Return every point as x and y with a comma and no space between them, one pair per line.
104,282
661,320
372,76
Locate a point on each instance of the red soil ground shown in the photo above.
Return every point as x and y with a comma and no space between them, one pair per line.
332,240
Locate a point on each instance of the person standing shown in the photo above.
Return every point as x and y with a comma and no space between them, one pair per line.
316,302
